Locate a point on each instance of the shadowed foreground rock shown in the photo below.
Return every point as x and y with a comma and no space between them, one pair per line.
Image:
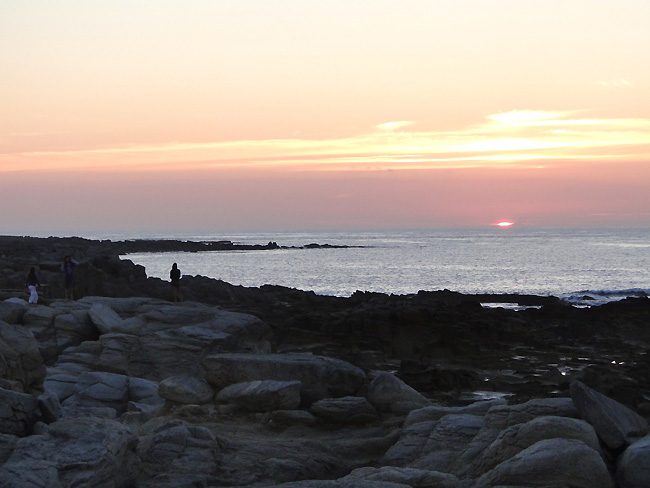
192,395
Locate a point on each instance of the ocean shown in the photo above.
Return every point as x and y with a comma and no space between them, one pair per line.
585,266
580,265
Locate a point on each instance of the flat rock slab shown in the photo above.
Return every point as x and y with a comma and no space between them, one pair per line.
436,412
186,389
406,476
321,377
262,396
346,410
104,318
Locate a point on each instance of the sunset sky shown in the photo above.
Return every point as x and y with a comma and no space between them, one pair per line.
213,116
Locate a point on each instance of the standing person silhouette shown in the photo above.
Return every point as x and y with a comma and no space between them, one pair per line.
175,277
32,283
68,276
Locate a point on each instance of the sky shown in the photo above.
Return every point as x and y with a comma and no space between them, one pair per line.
160,116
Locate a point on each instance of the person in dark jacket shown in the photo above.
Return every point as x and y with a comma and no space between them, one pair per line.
68,276
175,277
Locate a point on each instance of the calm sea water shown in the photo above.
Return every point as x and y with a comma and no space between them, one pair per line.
603,264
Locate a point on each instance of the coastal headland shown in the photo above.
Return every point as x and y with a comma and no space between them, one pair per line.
274,386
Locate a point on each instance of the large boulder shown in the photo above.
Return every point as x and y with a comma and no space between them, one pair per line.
155,357
616,425
99,390
551,462
123,305
39,317
515,439
58,326
143,395
229,331
104,318
264,461
7,444
388,393
501,416
345,411
73,328
220,330
262,396
436,412
174,453
73,452
633,466
347,482
186,389
435,445
12,310
21,364
321,377
18,413
288,418
39,320
50,407
416,478
103,392
145,347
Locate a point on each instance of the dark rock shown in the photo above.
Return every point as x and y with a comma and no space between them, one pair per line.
633,466
186,389
616,425
321,377
345,410
388,393
21,364
12,310
175,453
262,396
411,477
18,414
551,462
74,452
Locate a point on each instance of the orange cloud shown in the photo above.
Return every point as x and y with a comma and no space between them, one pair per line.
516,138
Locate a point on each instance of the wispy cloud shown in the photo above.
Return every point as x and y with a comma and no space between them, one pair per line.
521,138
394,125
621,82
523,117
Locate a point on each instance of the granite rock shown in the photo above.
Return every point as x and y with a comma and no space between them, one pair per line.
186,389
616,425
262,396
320,377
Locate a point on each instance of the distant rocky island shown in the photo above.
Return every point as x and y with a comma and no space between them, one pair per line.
278,387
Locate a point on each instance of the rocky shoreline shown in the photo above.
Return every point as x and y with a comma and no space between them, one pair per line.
273,386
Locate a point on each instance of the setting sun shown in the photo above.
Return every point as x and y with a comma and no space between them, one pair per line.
504,223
